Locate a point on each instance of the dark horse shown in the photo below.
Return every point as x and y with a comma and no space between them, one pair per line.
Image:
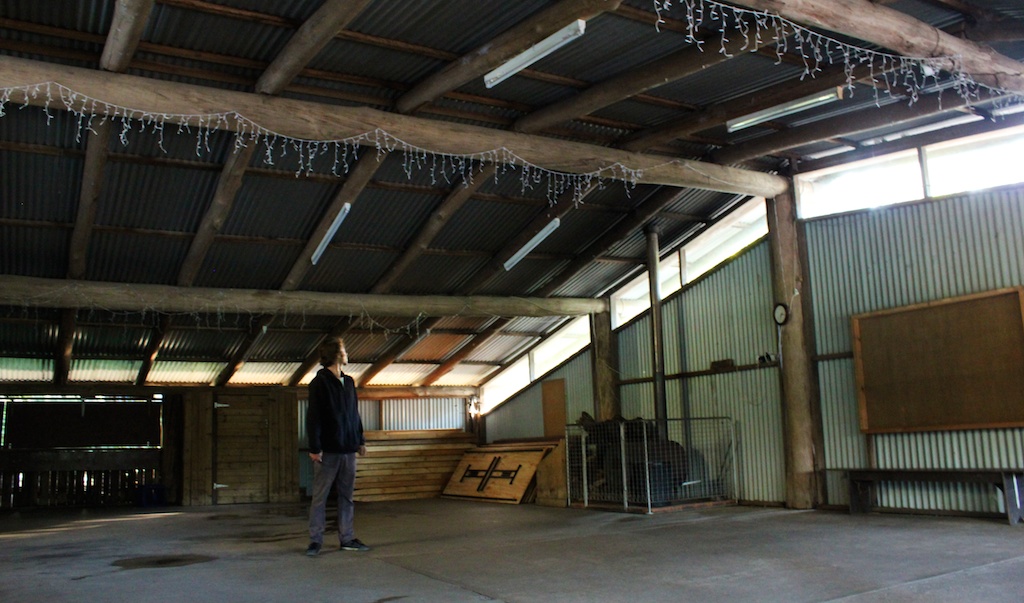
619,450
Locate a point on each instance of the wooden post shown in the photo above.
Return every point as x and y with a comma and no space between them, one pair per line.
804,481
657,338
605,359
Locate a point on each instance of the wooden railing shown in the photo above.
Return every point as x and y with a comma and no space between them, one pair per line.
79,477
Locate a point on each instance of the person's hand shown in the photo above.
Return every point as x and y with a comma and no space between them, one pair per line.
362,450
316,457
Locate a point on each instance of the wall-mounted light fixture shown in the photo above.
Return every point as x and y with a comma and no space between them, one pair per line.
536,52
330,233
794,106
536,240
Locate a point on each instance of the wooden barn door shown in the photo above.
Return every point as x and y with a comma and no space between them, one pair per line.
241,449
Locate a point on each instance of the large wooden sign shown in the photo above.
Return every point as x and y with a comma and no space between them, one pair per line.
495,474
951,364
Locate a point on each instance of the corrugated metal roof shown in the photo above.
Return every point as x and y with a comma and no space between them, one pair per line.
401,373
261,202
441,25
264,373
157,187
500,347
435,347
176,372
245,265
437,274
484,225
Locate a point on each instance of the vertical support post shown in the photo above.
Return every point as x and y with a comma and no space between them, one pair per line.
622,464
586,481
605,360
657,343
803,432
647,470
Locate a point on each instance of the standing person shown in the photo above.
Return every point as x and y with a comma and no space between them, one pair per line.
335,434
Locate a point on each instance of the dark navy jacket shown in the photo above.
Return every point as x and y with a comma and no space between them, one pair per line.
332,420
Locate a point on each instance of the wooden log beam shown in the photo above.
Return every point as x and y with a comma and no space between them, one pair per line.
257,330
314,121
720,113
92,183
156,339
358,177
502,48
843,125
223,199
459,195
496,265
130,18
340,328
307,42
636,219
468,348
901,33
56,293
635,81
383,392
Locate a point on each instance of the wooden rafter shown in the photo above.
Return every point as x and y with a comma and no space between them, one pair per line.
312,121
843,125
901,33
228,185
720,113
307,42
635,81
359,176
460,194
57,293
126,27
495,52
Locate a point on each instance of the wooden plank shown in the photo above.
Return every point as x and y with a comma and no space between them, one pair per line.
494,476
409,464
552,489
414,434
553,404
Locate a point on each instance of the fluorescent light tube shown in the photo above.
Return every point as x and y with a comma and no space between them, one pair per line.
794,106
536,52
330,233
536,240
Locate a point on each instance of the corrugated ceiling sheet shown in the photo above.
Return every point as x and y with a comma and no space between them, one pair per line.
443,25
155,197
262,202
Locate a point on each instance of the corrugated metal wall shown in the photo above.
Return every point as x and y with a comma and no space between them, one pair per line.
899,256
522,416
424,413
727,314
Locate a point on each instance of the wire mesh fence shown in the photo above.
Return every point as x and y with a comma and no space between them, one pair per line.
642,464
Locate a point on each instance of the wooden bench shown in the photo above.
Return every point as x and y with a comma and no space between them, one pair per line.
1010,481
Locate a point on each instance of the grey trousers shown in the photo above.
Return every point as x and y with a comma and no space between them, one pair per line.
339,469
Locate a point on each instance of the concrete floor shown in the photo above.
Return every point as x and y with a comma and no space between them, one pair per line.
453,551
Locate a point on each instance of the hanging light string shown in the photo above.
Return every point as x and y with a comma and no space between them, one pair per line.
892,74
452,168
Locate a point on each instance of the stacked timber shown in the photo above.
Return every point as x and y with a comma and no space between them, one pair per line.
402,465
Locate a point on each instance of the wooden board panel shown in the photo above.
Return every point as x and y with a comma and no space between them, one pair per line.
403,465
951,364
552,490
242,460
494,475
553,404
